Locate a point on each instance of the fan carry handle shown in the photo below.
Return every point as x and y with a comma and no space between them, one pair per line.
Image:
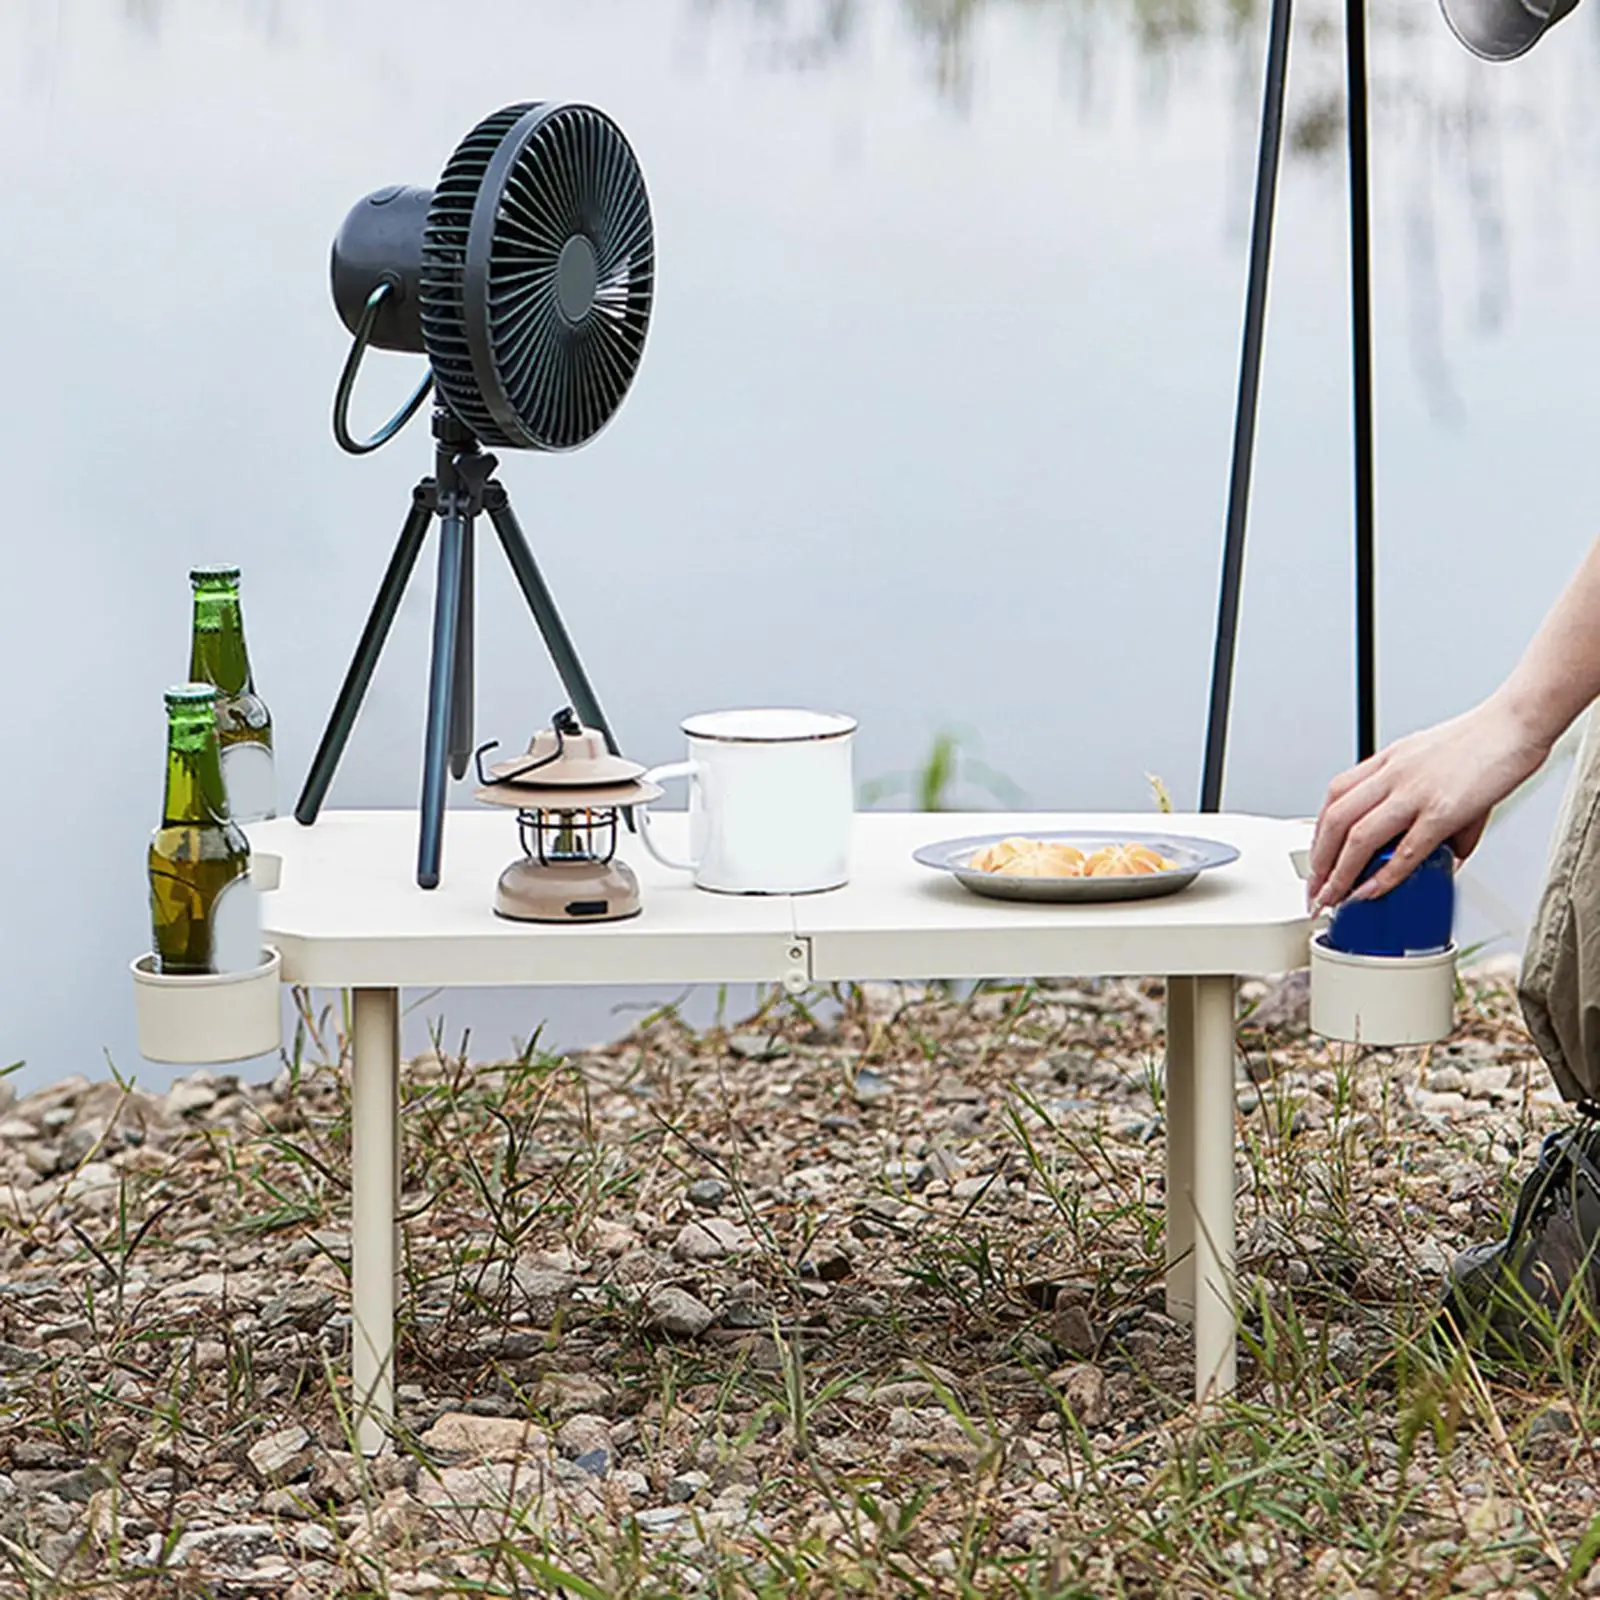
673,769
347,383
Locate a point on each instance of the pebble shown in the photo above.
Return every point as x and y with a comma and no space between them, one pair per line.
190,1096
710,1239
585,1435
282,1456
565,1394
871,1087
461,1433
676,1312
1082,1386
660,1519
707,1193
686,1485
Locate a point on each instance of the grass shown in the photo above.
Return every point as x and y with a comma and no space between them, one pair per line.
953,1374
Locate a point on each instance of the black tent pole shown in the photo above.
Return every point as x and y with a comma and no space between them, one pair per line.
1244,426
1361,371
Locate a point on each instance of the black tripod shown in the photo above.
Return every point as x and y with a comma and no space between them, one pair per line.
463,484
1244,430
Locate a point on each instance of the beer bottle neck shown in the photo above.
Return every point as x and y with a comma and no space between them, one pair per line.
194,768
218,654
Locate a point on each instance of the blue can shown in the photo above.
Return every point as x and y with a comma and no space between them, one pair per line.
1415,918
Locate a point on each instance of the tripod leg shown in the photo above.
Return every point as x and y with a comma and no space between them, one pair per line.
543,606
461,696
365,660
446,617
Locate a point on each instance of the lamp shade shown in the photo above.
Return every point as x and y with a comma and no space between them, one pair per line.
1502,30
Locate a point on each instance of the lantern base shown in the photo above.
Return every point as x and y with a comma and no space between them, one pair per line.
567,891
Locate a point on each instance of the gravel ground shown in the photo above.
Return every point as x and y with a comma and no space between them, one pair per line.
859,1296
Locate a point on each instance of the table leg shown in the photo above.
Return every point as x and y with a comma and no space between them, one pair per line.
374,1076
1180,1149
1214,1327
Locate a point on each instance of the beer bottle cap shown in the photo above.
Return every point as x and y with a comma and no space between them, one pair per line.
206,577
191,694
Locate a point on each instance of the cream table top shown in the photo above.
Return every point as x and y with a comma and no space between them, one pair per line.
347,911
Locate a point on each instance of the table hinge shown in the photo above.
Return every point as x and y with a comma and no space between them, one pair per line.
797,966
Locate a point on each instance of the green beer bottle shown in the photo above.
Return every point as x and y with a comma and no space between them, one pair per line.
202,903
244,725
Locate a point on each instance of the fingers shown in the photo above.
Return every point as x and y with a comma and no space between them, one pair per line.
1420,841
1393,816
1340,813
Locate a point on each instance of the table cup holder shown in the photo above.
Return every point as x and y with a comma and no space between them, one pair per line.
195,1021
1384,1001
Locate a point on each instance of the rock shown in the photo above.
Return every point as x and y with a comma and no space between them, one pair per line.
14,1358
542,1290
710,1239
188,1097
1072,1328
459,1433
1555,1423
1447,1080
905,1174
610,1238
1082,1387
632,1483
975,1187
43,1160
585,1435
676,1312
686,1485
660,1519
238,1545
951,1090
306,1306
746,1306
707,1193
90,1180
284,1503
565,1394
35,1107
757,1047
16,1130
641,1266
396,1519
871,1087
280,1457
829,1265
477,1501
8,1095
596,1463
335,1478
1488,1083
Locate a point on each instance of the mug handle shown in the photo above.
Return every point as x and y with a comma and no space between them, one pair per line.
673,769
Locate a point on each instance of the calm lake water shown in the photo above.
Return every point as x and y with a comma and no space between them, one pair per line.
933,425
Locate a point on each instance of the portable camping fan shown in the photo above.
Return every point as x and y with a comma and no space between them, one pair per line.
526,278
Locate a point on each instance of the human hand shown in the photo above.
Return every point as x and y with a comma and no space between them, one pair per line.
1427,789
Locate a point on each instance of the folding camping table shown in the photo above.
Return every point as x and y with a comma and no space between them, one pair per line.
347,914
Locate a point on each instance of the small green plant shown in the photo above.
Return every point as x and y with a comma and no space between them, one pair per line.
946,780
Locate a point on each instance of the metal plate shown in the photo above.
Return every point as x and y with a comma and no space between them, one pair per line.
1193,856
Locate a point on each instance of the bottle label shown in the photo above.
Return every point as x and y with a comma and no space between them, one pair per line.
251,781
236,927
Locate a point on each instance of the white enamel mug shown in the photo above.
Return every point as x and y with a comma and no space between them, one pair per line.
771,801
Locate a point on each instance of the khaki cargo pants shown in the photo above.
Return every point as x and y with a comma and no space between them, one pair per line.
1560,983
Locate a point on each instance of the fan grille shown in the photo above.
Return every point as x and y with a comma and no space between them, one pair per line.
538,268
